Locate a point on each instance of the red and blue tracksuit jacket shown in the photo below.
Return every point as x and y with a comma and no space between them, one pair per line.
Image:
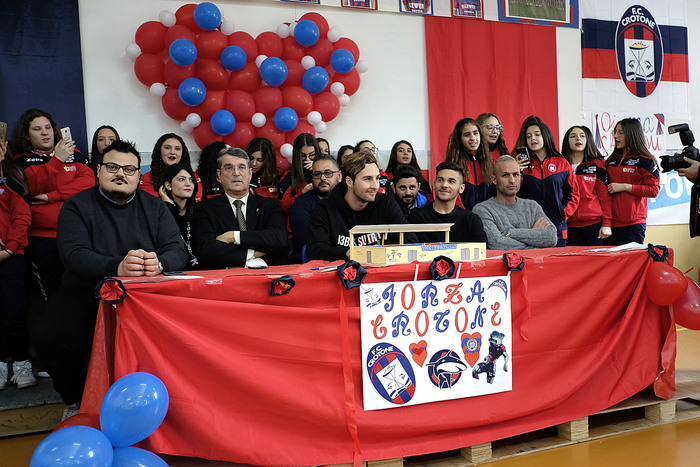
630,208
594,203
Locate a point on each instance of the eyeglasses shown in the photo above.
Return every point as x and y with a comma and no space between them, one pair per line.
372,150
494,127
325,174
113,168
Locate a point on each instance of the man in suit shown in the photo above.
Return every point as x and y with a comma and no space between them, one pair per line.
238,229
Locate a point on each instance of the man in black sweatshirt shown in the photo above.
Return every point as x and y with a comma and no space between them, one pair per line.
352,202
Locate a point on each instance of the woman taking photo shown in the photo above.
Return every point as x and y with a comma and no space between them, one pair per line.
492,133
265,180
466,148
634,177
547,177
402,153
103,137
180,187
169,149
590,223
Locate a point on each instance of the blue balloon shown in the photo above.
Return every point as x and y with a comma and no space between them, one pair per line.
273,71
192,91
233,58
223,122
73,446
315,80
136,457
306,33
133,408
342,60
182,52
286,119
207,16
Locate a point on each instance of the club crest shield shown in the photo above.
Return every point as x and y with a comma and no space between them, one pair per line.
639,50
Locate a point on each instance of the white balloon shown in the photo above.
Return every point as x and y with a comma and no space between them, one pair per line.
193,120
361,66
314,117
338,89
260,59
291,28
227,27
283,31
133,51
258,120
344,100
308,62
167,18
320,127
185,127
286,150
334,34
158,89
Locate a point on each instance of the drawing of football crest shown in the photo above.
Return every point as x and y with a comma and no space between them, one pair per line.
471,345
391,373
445,368
639,50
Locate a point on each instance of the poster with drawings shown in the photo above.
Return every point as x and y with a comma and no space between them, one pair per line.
429,341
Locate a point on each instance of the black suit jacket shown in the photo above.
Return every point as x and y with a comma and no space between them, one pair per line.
266,231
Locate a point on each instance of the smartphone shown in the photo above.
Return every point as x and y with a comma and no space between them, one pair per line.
523,154
3,131
65,134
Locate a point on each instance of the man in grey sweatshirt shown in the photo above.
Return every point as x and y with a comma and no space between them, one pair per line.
512,223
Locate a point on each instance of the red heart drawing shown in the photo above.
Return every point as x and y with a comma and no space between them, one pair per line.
228,86
419,352
471,345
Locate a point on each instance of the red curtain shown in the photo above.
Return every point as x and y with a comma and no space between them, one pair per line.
486,66
267,380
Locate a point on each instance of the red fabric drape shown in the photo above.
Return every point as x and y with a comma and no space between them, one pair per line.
486,66
260,380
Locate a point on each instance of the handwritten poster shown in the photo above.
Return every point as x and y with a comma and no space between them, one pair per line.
428,341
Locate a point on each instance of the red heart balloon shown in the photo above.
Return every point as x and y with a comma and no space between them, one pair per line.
665,283
686,310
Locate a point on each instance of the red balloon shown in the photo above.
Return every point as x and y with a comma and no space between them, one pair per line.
81,419
212,74
149,69
268,100
270,131
292,50
246,42
349,44
203,134
241,136
686,310
664,283
241,104
327,104
150,37
320,22
210,44
176,74
321,52
213,101
282,163
178,32
246,79
298,99
173,106
295,73
185,17
302,127
351,80
269,43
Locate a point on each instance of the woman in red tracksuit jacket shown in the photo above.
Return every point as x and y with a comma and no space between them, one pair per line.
590,223
634,177
466,148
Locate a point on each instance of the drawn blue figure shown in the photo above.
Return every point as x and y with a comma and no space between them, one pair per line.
496,349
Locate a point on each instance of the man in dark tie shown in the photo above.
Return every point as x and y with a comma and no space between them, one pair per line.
238,229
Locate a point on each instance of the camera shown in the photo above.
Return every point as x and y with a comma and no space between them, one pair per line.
676,161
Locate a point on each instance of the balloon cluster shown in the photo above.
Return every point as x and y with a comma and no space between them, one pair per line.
225,85
667,285
132,409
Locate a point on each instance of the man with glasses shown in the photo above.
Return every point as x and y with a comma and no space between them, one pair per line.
112,229
325,175
238,229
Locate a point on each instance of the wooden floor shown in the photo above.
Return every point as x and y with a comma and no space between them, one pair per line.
667,445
